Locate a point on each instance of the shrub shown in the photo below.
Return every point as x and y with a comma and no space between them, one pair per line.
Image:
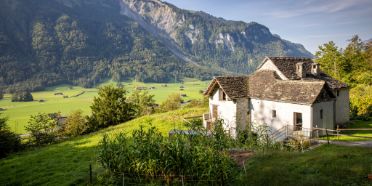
143,102
75,124
150,155
22,96
9,142
361,101
111,107
42,129
173,102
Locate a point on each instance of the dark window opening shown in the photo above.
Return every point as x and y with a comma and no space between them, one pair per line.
321,113
223,96
338,93
274,113
297,121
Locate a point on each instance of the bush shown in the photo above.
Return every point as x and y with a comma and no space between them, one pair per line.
9,142
111,107
42,129
22,96
361,101
143,102
150,155
173,102
75,124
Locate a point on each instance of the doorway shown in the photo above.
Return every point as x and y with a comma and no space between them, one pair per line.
297,121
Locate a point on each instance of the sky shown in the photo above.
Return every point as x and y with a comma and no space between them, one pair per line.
309,22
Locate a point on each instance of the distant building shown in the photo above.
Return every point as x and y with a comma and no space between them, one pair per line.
283,92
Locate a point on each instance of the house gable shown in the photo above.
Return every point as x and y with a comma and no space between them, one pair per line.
267,64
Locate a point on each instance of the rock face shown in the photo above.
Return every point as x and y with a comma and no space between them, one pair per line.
207,40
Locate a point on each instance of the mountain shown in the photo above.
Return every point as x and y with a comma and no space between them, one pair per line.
84,42
208,40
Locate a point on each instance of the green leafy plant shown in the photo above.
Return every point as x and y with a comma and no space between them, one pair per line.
42,129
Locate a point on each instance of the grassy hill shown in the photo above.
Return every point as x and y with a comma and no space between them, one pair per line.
19,112
67,163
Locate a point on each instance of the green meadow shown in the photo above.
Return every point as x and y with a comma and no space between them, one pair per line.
19,113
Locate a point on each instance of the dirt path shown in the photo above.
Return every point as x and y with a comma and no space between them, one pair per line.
367,144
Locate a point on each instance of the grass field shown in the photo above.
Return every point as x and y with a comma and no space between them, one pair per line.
67,163
356,135
326,165
19,113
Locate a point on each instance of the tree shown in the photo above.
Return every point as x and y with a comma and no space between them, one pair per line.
42,129
22,96
143,102
330,59
111,107
9,141
76,124
173,102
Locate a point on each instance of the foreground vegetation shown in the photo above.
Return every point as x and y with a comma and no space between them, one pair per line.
67,163
326,165
19,113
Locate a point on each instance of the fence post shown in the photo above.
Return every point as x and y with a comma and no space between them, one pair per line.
123,179
338,132
182,180
327,136
90,174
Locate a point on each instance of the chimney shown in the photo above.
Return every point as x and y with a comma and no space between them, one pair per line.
315,69
300,70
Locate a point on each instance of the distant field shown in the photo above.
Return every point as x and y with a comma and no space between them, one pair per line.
19,113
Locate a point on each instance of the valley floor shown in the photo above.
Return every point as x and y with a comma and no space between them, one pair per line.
19,113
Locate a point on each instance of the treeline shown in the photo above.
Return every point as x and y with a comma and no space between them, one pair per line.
352,65
62,44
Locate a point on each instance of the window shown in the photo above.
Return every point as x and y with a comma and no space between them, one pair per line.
321,113
338,93
223,96
274,113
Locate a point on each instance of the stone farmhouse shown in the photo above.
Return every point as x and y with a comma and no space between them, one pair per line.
284,92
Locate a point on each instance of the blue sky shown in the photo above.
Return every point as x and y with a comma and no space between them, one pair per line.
309,22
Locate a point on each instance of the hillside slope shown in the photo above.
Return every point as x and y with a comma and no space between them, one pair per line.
67,163
236,46
84,42
81,42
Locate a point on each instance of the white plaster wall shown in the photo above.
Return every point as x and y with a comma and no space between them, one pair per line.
269,65
226,111
342,106
328,117
261,113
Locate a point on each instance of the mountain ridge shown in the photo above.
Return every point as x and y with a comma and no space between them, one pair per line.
84,42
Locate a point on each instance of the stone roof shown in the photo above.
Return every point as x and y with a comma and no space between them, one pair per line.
267,86
233,86
287,65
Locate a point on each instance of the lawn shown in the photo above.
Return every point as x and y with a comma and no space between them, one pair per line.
67,163
356,135
19,113
325,165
